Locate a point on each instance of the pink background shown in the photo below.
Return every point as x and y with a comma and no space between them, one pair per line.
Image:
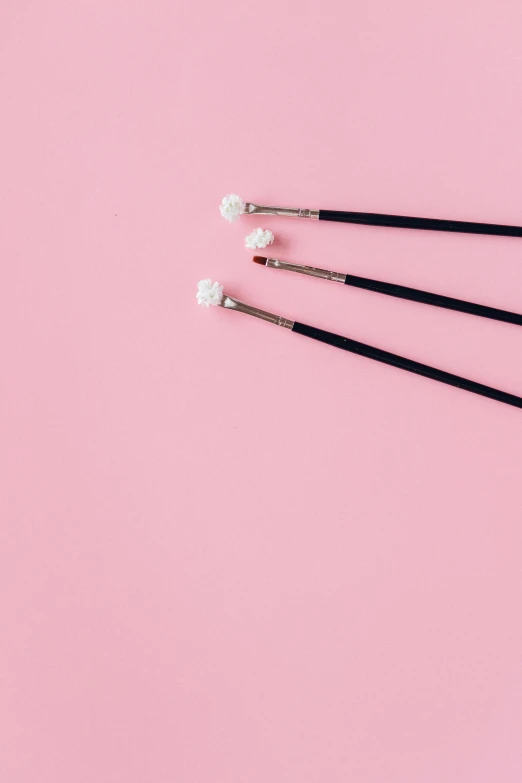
228,553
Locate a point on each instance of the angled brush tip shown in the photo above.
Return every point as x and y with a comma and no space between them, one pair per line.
260,260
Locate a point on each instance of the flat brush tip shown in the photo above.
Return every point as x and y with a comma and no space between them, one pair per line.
260,260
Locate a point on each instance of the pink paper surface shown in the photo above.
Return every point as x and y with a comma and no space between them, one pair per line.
229,553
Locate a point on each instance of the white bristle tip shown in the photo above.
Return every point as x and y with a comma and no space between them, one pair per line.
232,207
209,293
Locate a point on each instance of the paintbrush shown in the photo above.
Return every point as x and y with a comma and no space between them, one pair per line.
210,293
233,206
399,291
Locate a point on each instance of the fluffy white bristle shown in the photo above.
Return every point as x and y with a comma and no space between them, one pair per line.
259,239
209,293
232,207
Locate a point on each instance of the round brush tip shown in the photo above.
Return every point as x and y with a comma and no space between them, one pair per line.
260,260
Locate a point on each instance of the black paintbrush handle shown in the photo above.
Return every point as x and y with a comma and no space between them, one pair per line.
414,295
405,364
428,224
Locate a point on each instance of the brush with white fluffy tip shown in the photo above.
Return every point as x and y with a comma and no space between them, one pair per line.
232,207
399,291
210,293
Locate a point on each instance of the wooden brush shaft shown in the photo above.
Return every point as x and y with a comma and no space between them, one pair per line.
414,295
405,364
428,224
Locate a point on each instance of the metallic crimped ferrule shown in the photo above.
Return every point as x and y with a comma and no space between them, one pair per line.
234,304
326,274
254,209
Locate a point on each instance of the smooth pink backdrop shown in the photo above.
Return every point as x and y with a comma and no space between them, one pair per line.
227,553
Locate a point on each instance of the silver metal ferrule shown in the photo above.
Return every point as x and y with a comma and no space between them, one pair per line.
326,274
234,304
254,209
